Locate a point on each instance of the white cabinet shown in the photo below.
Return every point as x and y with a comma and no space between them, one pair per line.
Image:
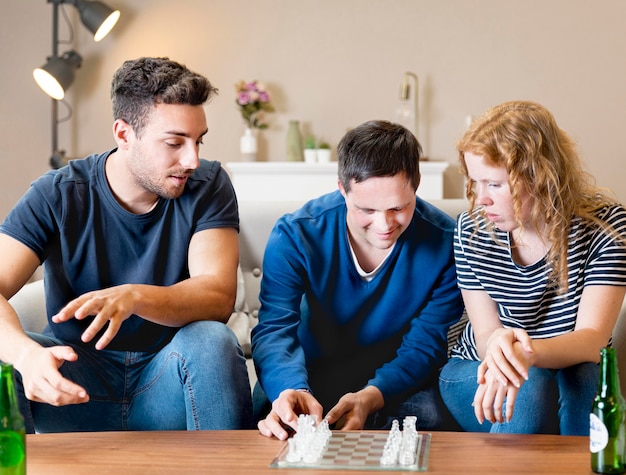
295,181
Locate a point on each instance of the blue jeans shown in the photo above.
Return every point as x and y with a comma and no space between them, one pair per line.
198,381
550,402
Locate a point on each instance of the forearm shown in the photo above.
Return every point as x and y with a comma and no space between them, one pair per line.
566,350
279,360
562,351
13,341
276,346
197,298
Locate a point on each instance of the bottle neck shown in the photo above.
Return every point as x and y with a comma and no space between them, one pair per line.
8,396
609,377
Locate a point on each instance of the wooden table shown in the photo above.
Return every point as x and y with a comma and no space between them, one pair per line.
249,453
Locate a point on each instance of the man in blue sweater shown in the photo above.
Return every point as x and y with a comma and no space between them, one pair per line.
358,292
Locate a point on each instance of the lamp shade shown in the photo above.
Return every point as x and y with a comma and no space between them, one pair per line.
58,74
97,17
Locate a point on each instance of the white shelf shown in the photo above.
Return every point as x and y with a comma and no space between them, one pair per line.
295,181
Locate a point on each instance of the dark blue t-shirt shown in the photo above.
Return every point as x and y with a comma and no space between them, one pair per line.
88,241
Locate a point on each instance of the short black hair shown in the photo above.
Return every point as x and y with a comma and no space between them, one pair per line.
378,148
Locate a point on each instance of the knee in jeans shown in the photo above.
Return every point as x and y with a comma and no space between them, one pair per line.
208,337
540,389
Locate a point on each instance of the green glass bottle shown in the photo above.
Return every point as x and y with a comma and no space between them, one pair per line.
607,429
12,429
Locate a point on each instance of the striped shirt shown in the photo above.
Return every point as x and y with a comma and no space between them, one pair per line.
524,297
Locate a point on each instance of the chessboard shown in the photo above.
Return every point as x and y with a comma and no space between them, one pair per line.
358,451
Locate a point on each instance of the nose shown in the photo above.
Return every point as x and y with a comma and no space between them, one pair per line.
190,158
482,195
384,221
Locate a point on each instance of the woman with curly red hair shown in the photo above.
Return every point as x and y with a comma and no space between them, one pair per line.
541,263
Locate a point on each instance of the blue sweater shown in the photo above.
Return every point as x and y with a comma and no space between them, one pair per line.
324,328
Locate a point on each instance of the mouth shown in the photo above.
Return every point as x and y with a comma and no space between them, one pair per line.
386,236
179,179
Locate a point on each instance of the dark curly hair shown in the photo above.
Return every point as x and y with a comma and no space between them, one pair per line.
140,84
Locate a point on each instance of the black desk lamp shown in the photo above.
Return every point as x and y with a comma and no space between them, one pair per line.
56,76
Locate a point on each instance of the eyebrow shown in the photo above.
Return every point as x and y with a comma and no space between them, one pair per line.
184,134
402,206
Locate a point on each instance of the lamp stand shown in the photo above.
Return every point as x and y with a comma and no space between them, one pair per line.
57,159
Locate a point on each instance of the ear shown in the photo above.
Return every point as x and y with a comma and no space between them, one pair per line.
341,188
122,133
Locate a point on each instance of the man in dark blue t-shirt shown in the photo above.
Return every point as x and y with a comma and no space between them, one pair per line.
139,248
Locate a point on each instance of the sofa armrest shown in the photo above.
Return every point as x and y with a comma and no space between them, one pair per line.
30,304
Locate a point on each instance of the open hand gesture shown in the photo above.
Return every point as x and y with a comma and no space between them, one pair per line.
109,307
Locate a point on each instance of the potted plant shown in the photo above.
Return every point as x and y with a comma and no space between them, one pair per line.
310,152
323,152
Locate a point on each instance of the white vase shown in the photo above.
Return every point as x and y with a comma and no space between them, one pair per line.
310,155
323,155
248,145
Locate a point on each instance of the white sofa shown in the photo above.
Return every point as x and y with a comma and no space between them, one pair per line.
256,222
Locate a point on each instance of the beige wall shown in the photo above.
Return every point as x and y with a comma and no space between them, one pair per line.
332,64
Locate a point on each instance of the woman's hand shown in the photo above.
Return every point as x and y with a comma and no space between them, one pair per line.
493,388
490,397
508,356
